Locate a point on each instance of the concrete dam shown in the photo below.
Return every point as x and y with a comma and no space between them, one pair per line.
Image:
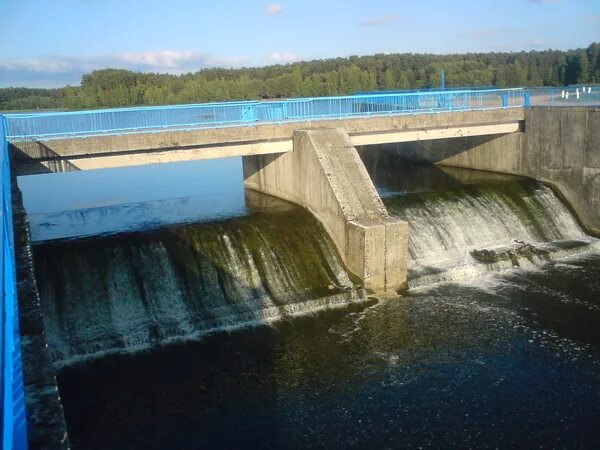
384,259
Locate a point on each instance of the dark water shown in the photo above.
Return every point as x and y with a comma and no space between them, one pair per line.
514,362
497,345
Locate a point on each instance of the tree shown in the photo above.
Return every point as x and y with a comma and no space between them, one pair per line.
583,67
389,79
115,87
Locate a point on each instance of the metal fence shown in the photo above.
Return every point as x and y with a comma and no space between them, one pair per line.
564,96
13,427
53,125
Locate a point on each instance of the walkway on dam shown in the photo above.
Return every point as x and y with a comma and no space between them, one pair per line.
83,140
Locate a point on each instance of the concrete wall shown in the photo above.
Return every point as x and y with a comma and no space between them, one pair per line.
60,155
46,427
325,174
559,146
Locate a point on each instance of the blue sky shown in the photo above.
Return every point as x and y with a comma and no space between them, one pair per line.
53,42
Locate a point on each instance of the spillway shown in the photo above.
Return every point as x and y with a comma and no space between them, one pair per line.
465,223
134,290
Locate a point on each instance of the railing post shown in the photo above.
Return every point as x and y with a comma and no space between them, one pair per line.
526,99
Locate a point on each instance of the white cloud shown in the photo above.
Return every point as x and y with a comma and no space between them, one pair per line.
161,60
167,59
69,69
274,9
536,42
502,47
381,20
282,58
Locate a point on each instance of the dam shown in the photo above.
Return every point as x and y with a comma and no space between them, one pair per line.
416,282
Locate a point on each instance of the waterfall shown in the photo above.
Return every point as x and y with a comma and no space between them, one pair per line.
134,290
463,231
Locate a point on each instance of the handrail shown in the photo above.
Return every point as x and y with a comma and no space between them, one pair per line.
12,396
56,125
563,96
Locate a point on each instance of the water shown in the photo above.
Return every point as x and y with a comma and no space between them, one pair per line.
512,362
464,223
131,291
496,344
96,202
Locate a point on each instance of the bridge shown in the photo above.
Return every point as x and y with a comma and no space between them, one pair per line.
131,136
303,150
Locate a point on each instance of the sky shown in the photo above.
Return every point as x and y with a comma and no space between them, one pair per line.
50,43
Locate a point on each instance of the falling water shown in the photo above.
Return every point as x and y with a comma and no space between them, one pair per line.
135,290
464,223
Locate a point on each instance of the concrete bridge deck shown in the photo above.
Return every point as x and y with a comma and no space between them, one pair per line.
80,140
96,152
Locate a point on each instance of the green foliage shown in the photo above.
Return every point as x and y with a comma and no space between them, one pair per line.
339,76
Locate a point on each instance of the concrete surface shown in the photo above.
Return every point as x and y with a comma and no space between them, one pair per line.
325,174
149,148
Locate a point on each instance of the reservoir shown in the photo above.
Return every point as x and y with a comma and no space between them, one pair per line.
186,312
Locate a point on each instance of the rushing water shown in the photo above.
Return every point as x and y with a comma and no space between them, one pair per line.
496,344
464,223
134,290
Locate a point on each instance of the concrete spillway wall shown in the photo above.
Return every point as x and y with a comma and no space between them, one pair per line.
325,174
559,146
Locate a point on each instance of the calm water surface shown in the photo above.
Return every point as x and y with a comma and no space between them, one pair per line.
95,202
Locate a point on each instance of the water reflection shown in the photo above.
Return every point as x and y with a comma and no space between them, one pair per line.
76,204
394,176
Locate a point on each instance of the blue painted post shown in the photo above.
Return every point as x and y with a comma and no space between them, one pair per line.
527,99
504,98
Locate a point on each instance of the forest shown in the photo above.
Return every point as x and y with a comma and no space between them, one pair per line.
338,76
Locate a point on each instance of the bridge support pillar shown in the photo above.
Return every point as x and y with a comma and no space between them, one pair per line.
325,174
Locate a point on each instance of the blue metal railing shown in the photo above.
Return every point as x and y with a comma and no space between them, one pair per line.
54,125
429,89
563,96
13,427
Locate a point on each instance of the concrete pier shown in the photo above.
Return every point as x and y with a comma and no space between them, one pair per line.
325,174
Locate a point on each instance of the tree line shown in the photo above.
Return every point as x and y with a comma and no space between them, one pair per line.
338,76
